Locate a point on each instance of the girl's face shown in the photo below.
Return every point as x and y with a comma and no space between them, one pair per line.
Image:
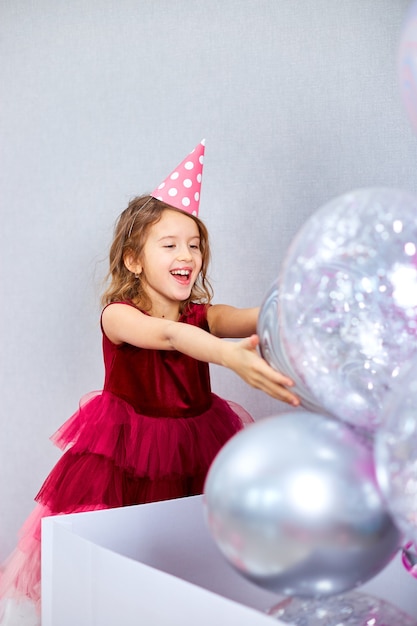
171,259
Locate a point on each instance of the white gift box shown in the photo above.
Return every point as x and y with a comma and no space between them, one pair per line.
157,565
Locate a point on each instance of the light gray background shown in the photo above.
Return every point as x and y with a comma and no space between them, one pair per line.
298,101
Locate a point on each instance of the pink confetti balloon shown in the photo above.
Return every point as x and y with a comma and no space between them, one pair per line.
347,302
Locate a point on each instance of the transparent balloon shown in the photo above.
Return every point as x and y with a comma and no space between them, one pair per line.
348,609
396,452
293,504
347,302
271,346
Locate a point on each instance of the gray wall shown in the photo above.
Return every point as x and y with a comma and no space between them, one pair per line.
298,101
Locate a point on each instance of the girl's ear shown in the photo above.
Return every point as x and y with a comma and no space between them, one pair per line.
132,263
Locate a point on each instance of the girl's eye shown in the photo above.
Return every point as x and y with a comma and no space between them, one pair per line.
170,245
194,246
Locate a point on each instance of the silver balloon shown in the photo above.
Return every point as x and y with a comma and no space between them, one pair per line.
347,609
396,452
347,303
292,503
271,346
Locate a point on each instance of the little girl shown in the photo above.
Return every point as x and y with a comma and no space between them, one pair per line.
153,431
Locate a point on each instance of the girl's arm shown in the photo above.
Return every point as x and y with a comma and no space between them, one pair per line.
123,323
228,321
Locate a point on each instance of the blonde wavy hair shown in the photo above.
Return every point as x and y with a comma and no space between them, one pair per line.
130,234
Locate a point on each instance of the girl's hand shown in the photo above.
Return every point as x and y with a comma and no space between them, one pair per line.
243,358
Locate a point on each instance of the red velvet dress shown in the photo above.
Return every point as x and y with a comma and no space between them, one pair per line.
150,435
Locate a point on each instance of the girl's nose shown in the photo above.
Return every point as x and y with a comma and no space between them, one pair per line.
184,253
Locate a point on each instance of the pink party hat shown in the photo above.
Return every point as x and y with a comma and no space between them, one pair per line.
181,189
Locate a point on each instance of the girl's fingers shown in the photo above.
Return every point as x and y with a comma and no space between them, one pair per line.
278,391
258,373
275,384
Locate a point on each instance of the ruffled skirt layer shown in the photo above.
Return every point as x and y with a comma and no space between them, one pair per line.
115,457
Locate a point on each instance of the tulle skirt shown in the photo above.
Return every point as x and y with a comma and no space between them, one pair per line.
115,457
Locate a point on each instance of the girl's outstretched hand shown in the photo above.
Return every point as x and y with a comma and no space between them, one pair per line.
243,358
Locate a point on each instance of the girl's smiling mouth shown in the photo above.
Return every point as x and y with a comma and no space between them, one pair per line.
182,275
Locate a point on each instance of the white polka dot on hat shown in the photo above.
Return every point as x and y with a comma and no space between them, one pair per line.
181,189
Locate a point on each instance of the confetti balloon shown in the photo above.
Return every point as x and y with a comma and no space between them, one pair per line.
293,504
271,346
396,452
407,64
347,609
347,302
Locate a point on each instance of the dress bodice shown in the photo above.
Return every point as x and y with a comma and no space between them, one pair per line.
159,383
